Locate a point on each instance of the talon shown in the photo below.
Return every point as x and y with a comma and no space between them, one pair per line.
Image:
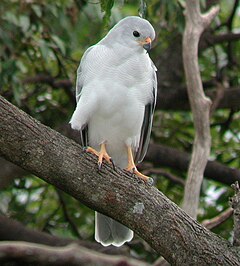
99,166
113,164
150,181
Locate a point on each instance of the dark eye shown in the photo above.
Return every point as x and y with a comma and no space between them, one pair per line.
136,34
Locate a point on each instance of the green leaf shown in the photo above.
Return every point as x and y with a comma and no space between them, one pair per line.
10,17
106,6
24,23
45,51
20,65
37,10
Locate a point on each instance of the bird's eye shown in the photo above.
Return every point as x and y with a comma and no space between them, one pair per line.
136,34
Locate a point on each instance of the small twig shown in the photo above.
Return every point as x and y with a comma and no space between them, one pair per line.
168,175
66,215
219,96
233,12
46,224
216,221
235,204
229,25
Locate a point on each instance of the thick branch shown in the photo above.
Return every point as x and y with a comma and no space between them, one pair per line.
208,39
71,255
200,105
62,162
161,155
11,230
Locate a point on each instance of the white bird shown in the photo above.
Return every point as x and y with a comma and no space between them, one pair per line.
116,91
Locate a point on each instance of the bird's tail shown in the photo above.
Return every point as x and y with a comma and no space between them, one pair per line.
110,232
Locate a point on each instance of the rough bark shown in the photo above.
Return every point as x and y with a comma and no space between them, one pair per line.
63,163
200,105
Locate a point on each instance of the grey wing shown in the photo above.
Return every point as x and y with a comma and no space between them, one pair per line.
147,121
79,86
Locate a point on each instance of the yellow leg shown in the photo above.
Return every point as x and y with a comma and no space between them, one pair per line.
132,167
101,155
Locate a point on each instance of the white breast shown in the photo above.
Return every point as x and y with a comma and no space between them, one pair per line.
113,100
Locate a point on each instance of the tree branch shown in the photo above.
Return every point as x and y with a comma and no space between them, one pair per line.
208,39
216,221
63,163
11,230
161,155
67,217
71,255
200,105
9,172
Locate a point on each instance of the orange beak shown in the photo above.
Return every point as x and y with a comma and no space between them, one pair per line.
147,43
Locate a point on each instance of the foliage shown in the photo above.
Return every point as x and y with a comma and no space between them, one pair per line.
44,40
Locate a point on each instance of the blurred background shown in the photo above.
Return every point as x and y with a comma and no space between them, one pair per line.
41,44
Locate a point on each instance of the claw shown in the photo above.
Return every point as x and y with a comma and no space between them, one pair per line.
99,166
113,164
101,155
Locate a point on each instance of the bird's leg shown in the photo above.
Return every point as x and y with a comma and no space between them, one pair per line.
132,167
101,155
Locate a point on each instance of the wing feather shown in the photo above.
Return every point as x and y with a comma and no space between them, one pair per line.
147,121
79,86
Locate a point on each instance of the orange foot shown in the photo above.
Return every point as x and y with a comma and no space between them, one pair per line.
101,155
133,169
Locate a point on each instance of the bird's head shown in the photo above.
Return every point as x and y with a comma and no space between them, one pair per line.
133,32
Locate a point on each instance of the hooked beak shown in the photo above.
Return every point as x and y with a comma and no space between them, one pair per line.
147,44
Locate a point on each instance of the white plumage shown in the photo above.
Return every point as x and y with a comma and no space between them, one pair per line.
116,92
